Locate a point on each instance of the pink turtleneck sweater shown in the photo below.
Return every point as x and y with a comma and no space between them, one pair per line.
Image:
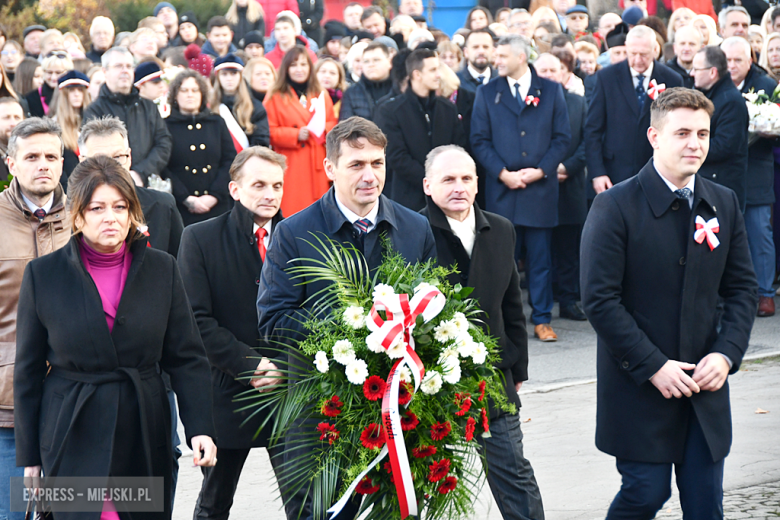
109,271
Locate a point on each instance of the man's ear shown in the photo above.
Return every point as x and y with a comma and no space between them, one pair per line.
652,136
329,167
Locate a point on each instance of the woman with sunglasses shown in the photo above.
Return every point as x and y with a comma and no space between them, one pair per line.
55,65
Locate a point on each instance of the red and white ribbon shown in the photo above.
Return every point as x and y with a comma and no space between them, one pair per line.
655,89
707,230
401,318
531,100
240,140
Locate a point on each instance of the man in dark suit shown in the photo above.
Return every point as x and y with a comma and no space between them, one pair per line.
415,123
481,245
760,191
353,211
727,161
572,198
660,252
619,111
520,133
220,262
375,82
478,53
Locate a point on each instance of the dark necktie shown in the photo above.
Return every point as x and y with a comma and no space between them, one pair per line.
683,193
362,225
260,234
640,91
481,79
40,213
520,101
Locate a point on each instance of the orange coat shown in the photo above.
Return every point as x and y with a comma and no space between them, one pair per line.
305,180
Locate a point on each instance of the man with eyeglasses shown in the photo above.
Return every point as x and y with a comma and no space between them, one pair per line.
520,22
101,32
148,135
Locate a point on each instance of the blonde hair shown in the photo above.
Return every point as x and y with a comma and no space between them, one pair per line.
254,11
68,116
711,27
48,35
450,46
763,59
252,64
677,12
545,14
66,63
76,41
243,108
342,84
449,80
136,35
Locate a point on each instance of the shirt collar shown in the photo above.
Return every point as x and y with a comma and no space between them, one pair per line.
268,226
353,217
690,185
46,207
647,74
476,74
468,224
524,82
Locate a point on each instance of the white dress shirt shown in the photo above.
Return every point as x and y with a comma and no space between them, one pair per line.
354,217
646,74
476,74
33,208
690,185
466,231
267,238
523,83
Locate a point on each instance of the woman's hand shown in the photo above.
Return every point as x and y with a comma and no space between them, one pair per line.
196,205
32,477
209,201
206,445
303,134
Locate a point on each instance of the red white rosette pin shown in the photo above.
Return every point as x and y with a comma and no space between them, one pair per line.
654,89
707,229
531,100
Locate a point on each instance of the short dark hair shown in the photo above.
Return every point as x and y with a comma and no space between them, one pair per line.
560,40
566,57
715,57
377,45
261,152
417,58
484,30
350,131
97,171
173,91
678,97
371,11
217,21
33,126
284,19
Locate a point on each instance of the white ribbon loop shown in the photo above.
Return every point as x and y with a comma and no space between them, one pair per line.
707,229
655,89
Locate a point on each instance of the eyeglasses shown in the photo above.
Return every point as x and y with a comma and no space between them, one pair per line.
694,69
10,53
57,54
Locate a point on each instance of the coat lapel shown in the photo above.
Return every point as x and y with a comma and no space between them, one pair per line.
626,86
506,97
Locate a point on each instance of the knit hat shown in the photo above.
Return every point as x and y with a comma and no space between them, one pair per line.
32,28
334,30
228,61
147,71
198,61
189,17
73,78
389,42
632,15
361,35
160,6
617,36
250,38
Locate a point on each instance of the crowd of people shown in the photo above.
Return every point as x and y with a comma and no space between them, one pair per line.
217,132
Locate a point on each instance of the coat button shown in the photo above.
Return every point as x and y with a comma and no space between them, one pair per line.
525,154
202,146
522,134
189,127
197,193
194,171
682,260
205,192
209,166
192,147
205,170
625,365
121,320
714,175
198,126
675,205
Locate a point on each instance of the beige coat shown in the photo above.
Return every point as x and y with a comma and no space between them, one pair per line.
24,238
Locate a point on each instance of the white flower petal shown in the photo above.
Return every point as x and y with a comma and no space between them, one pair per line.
343,352
357,371
431,382
321,362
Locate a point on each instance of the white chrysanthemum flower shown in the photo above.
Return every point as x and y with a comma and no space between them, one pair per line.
406,374
382,290
357,371
452,373
465,345
431,382
480,353
448,356
461,322
374,343
343,352
397,350
445,331
354,317
321,361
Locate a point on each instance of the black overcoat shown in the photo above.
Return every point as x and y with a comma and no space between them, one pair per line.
411,135
200,161
85,416
759,186
220,265
572,197
652,294
162,219
492,272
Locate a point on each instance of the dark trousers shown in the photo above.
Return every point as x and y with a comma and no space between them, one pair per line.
509,474
538,269
220,482
566,259
647,486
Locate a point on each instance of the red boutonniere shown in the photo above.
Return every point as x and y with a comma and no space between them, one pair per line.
531,100
655,89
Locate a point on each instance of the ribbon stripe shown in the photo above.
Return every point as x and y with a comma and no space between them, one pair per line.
655,89
707,229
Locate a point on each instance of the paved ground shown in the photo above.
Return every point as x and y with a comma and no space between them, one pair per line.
576,480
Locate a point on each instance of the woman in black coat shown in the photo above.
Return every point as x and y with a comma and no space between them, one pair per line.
202,151
97,322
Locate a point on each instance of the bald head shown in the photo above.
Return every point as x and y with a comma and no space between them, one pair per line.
549,67
687,42
608,22
451,180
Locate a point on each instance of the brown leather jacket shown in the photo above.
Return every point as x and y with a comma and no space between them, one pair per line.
24,238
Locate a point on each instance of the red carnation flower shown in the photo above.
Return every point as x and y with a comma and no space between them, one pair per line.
485,425
409,421
332,407
372,437
439,470
328,431
448,485
440,430
425,451
481,390
389,468
374,388
404,393
463,401
366,487
471,425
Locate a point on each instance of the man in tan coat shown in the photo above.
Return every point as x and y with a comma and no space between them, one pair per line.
34,223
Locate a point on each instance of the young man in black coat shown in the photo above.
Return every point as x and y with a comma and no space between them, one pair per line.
727,161
660,253
362,98
482,246
415,123
220,261
353,211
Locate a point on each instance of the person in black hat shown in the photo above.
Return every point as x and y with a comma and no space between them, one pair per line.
421,21
577,21
253,44
334,32
67,108
148,80
616,43
32,40
189,31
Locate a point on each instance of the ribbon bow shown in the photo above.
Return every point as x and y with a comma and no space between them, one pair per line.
655,89
401,319
532,100
707,229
